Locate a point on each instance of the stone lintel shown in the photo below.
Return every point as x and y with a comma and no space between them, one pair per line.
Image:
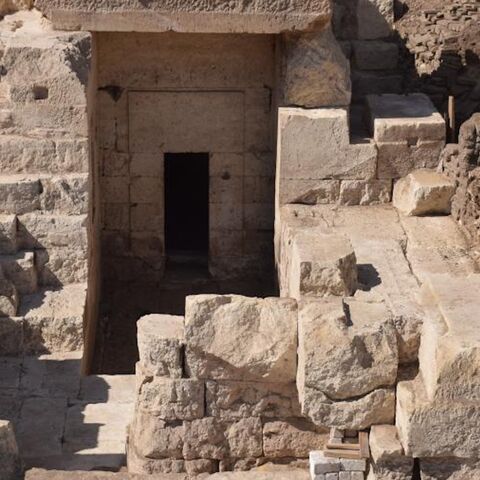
190,16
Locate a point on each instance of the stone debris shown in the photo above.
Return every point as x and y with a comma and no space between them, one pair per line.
423,192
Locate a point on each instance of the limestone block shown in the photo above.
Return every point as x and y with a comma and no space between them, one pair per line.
205,438
398,159
61,266
266,328
19,194
388,459
440,428
365,192
8,233
321,465
9,298
450,346
10,464
262,17
309,192
160,344
321,265
333,346
374,18
359,413
396,118
449,468
66,194
170,399
155,438
10,6
293,437
386,261
244,438
423,192
231,400
316,73
54,319
375,55
20,270
46,231
38,155
325,151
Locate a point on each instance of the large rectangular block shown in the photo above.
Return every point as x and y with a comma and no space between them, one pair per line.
267,329
19,194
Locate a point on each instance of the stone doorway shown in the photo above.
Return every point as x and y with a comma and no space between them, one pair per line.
186,209
183,107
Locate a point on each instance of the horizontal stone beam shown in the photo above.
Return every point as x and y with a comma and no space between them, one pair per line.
194,16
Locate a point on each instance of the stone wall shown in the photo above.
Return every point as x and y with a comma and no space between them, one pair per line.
185,93
461,162
44,185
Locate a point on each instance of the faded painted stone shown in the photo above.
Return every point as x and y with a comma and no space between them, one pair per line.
266,328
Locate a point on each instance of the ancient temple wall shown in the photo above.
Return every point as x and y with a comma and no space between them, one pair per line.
185,93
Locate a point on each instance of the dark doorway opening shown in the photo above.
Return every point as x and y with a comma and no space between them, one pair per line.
186,207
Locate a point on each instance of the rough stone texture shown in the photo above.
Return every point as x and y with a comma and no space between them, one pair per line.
388,459
449,468
450,347
183,16
10,465
365,192
11,6
315,71
435,429
321,265
231,400
461,164
342,391
423,192
294,437
267,330
374,18
160,344
41,474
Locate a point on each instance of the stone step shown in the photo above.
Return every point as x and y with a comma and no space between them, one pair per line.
20,270
53,319
25,193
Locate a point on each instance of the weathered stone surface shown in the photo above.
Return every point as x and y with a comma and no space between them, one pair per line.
321,265
58,266
183,16
54,319
334,344
449,468
423,192
19,194
40,474
266,328
315,71
9,298
441,428
374,18
265,472
171,399
398,159
205,438
293,437
8,233
107,388
309,192
365,192
11,336
20,270
325,151
10,465
10,6
388,459
66,194
321,465
395,118
160,343
244,438
450,347
232,400
375,55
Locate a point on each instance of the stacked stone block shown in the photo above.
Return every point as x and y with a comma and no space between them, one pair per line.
217,391
43,186
327,468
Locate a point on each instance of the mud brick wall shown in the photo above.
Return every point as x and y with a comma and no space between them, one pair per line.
461,162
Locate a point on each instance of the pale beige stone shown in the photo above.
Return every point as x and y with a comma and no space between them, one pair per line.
423,192
345,351
66,194
20,270
395,118
293,437
361,192
170,399
8,233
266,328
309,192
231,400
10,6
19,194
205,438
321,265
315,71
160,344
181,16
244,438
